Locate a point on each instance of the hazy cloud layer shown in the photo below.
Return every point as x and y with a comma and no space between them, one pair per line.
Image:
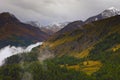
50,11
12,50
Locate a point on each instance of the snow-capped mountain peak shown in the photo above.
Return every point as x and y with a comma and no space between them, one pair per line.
112,11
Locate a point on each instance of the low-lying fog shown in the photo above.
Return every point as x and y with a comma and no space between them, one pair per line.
12,50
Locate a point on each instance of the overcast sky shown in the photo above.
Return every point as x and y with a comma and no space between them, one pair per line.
54,11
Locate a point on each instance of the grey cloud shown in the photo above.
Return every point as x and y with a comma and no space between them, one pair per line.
50,11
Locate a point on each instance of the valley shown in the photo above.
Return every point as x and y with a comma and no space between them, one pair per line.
78,50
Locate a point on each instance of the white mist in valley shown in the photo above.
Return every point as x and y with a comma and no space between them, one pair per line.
12,50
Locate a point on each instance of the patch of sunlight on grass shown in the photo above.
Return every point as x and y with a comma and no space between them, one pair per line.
90,70
89,67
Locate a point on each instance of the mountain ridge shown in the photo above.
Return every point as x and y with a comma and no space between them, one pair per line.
14,32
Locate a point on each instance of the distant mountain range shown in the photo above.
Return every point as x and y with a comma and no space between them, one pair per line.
70,26
49,29
14,32
53,28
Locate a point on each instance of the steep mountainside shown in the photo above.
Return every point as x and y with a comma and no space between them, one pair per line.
84,37
14,32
